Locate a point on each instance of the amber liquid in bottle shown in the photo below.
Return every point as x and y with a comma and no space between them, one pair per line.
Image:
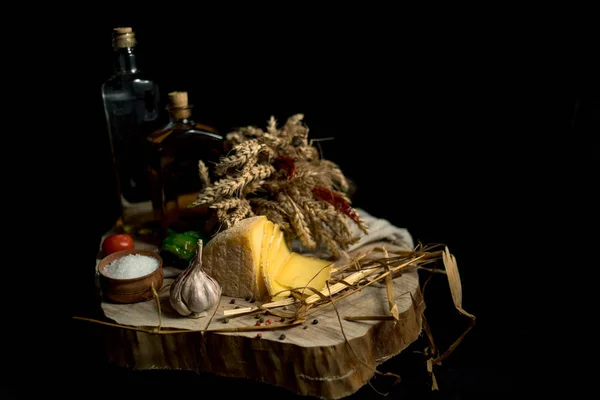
176,150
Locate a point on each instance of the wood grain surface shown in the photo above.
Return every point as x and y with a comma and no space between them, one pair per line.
326,356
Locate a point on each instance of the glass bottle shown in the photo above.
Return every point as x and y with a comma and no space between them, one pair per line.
131,105
176,150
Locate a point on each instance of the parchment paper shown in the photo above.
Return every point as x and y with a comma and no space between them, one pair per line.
145,314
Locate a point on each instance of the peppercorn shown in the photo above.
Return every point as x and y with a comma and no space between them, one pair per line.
256,316
315,322
236,307
232,301
225,320
282,319
257,323
252,300
258,335
305,327
282,336
261,319
248,298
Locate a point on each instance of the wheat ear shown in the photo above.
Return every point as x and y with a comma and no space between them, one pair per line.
229,185
272,126
242,211
243,153
203,174
227,204
299,222
336,174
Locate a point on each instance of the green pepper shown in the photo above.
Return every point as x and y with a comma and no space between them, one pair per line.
183,245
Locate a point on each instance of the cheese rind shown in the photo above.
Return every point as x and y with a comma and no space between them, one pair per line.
232,258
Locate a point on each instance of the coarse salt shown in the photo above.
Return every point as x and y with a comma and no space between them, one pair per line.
131,266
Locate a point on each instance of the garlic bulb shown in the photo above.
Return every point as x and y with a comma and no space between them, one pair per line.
193,291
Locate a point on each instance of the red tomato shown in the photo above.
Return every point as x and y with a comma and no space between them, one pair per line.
117,242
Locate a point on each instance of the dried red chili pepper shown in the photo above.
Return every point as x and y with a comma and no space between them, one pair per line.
286,163
336,200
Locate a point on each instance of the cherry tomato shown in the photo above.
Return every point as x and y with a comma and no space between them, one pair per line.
117,242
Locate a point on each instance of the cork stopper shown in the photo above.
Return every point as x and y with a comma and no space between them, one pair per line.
122,31
178,105
123,37
178,99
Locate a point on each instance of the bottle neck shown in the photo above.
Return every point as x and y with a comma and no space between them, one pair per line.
183,114
124,61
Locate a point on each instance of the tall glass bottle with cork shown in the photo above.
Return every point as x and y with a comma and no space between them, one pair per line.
131,105
176,150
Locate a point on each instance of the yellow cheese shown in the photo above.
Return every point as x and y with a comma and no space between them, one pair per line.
252,259
278,253
232,258
300,271
266,241
283,252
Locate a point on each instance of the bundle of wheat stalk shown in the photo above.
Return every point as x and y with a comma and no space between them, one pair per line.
280,174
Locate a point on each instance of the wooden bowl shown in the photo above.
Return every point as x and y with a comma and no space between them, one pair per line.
131,290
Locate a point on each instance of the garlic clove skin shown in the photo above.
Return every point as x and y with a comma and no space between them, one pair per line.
175,294
201,292
194,291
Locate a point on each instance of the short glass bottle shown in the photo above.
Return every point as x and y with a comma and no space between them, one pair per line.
176,150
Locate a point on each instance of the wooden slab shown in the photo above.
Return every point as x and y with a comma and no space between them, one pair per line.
313,359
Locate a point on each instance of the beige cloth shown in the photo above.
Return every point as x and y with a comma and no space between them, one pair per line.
381,230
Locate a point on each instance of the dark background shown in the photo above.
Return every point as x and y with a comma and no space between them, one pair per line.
469,132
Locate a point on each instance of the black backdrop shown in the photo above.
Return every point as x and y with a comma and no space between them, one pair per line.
449,130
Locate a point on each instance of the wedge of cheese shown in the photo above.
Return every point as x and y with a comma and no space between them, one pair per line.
232,257
252,259
300,272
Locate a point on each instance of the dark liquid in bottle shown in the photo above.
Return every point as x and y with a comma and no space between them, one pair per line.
131,114
175,153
